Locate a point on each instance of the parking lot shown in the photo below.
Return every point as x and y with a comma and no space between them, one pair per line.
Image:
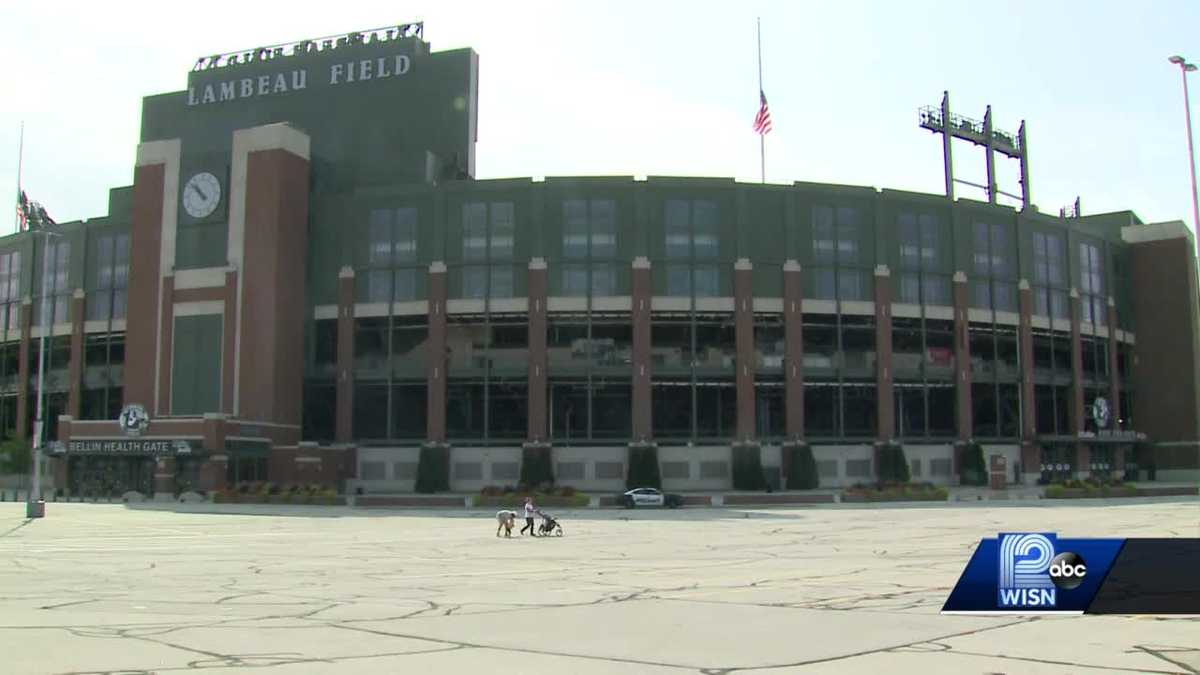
110,588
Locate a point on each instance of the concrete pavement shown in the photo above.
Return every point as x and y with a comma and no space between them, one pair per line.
847,589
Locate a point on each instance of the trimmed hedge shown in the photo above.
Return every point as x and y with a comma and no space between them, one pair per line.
515,501
803,474
747,468
537,467
433,470
972,469
643,468
893,465
909,492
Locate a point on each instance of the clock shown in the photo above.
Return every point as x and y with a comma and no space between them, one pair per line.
201,195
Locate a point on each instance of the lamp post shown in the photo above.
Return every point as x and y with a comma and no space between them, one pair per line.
1184,69
35,508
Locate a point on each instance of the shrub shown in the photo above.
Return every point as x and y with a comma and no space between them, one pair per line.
15,456
536,465
643,467
972,470
433,469
492,491
747,468
566,491
803,474
893,465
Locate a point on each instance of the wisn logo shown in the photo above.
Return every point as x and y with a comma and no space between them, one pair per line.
1032,571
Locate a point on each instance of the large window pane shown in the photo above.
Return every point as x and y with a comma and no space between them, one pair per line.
858,409
820,408
612,408
464,409
671,408
508,414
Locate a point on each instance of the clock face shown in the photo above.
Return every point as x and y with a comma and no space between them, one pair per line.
201,195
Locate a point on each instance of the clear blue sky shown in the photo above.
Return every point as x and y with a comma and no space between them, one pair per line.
650,88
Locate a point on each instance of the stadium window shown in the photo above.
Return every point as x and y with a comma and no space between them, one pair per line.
10,290
60,295
489,237
589,237
1092,301
920,278
993,286
820,408
941,409
691,231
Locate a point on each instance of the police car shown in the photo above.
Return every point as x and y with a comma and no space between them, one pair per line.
650,497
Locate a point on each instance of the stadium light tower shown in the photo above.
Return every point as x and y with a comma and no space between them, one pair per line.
1184,69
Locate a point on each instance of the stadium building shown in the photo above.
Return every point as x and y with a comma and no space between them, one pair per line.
305,283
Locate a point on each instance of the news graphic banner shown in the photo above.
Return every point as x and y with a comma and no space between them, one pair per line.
1040,573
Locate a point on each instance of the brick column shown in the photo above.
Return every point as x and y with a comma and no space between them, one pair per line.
962,368
793,364
435,416
1114,375
162,405
215,469
1083,458
26,318
537,351
344,421
153,220
793,327
1114,388
230,338
885,411
1031,458
642,289
75,370
743,322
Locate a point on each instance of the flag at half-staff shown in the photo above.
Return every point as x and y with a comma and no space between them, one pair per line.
762,121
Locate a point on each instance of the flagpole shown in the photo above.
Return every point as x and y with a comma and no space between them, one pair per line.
762,142
20,157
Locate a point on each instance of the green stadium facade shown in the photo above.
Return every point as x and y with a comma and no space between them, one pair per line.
305,284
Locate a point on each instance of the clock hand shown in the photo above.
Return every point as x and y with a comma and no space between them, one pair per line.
196,188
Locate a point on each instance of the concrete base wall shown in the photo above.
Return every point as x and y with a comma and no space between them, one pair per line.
708,467
569,463
1176,475
683,468
386,469
473,468
931,463
840,465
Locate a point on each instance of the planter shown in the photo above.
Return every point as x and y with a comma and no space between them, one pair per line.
871,496
515,501
324,500
1057,492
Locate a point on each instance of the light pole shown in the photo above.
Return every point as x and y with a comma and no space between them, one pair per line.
1184,69
35,508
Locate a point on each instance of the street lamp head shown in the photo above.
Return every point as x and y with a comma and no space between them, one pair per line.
1189,67
1177,59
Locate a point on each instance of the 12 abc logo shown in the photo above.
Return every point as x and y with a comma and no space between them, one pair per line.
1067,570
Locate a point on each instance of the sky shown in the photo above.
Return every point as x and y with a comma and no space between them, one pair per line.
667,88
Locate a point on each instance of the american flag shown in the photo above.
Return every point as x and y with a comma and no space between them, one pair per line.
762,121
22,211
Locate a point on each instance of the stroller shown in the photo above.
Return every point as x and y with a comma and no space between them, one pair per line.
549,526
